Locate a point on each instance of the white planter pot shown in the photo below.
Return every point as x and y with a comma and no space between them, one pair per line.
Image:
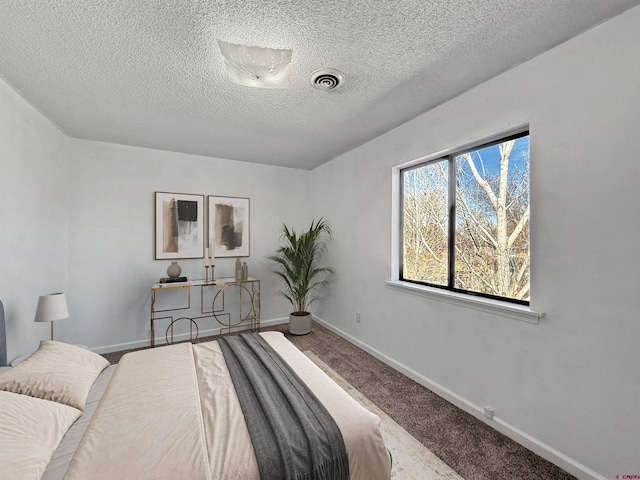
300,324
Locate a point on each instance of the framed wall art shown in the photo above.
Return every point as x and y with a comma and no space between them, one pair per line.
229,226
179,226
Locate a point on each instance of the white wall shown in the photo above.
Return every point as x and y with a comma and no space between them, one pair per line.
33,217
571,383
111,232
78,216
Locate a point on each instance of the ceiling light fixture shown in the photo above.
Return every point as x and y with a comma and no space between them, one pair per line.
256,66
326,79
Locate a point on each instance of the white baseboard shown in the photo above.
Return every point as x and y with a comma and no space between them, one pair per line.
177,338
545,451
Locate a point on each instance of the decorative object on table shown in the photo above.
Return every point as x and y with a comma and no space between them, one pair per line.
245,271
209,262
174,270
238,270
298,261
229,226
179,221
173,280
51,307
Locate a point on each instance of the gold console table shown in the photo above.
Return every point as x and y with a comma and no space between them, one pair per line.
246,313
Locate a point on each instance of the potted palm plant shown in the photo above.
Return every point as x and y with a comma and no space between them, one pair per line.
298,267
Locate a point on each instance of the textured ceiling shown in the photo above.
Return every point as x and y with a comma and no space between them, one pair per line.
149,72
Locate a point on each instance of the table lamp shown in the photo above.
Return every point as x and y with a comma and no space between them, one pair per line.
51,307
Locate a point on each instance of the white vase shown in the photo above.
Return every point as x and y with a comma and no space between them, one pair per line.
174,270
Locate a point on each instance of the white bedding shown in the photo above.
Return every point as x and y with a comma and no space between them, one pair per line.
228,439
64,453
172,413
167,413
149,422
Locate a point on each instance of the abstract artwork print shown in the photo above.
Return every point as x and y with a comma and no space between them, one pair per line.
179,225
229,226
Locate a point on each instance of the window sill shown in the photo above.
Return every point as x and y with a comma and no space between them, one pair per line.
505,309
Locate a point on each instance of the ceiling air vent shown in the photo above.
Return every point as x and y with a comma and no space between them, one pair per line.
326,79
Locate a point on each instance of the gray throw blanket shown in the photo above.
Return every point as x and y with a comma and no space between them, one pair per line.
294,436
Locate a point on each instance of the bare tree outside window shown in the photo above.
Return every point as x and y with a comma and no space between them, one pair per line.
483,246
425,226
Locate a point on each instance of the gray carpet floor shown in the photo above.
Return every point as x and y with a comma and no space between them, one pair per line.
472,448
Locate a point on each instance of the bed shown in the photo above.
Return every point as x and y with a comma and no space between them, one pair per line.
170,412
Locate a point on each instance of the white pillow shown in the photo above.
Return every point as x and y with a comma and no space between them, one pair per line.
30,431
57,371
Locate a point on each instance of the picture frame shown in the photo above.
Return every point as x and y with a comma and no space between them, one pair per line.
229,226
179,226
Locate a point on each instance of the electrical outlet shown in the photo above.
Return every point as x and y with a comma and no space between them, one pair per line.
357,317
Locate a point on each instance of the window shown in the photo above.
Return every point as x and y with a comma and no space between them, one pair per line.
465,221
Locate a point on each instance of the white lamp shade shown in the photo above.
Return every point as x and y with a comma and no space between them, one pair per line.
51,307
256,66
